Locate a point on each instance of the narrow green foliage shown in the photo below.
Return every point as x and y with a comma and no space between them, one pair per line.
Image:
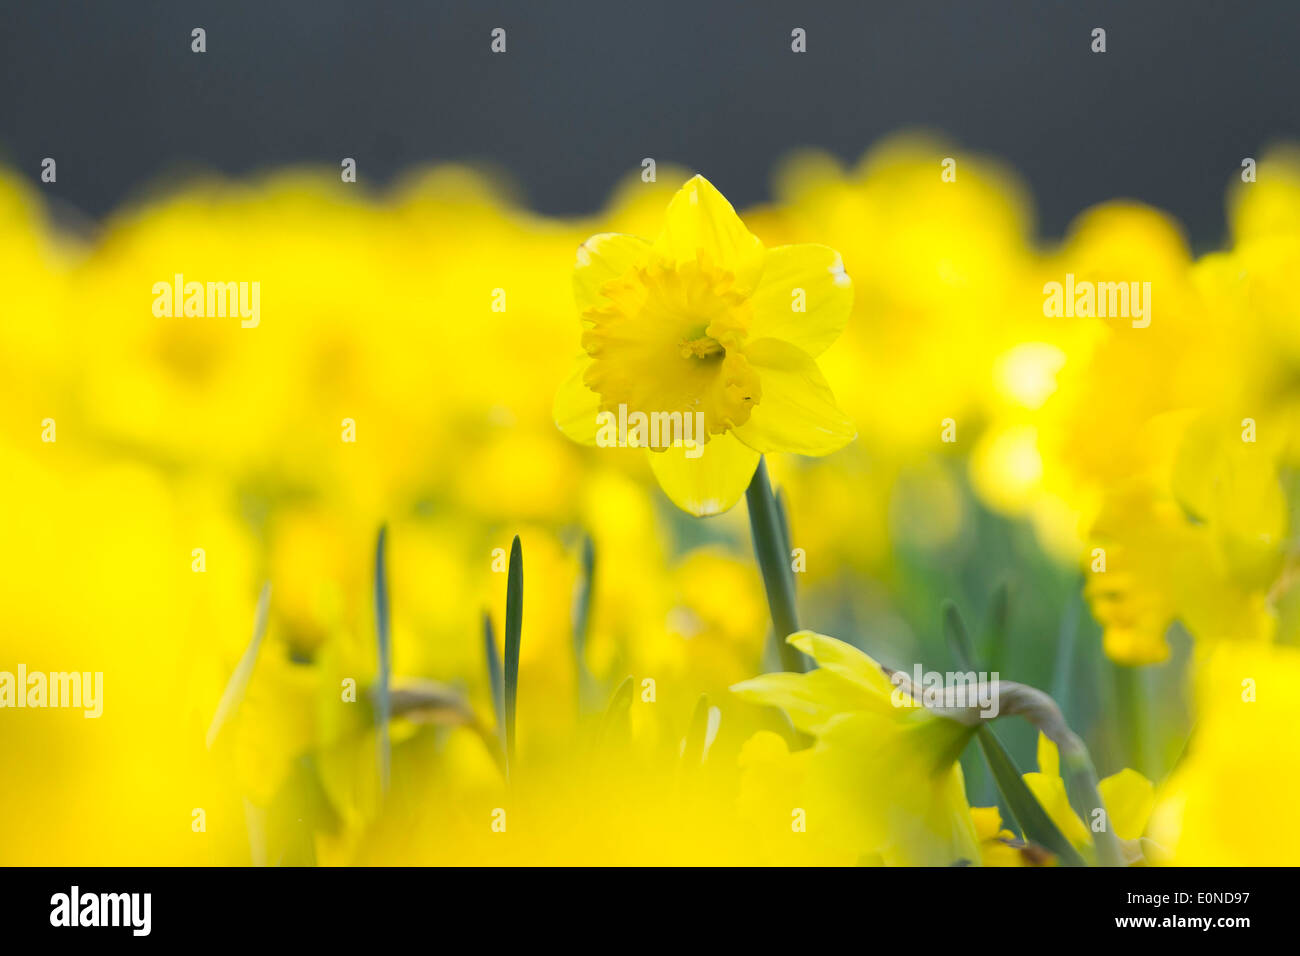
619,705
383,678
494,677
995,642
954,630
582,593
514,631
1081,787
234,691
773,556
697,732
1062,678
1029,814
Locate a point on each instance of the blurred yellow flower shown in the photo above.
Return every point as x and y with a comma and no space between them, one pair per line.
881,779
1232,800
196,460
1203,544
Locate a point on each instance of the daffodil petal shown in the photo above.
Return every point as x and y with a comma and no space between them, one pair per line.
575,408
605,256
1050,793
810,700
797,412
763,747
709,484
1129,798
875,781
701,223
1049,757
844,659
988,822
810,276
845,681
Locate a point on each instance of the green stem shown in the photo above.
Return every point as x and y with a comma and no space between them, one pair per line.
774,563
1131,695
1025,809
385,647
1077,771
1082,788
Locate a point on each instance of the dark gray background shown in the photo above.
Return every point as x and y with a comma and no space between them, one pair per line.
111,90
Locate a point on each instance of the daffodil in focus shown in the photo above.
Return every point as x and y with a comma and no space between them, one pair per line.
701,344
882,777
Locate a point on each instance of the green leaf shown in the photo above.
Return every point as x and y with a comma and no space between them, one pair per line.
582,619
582,596
1081,788
697,733
999,617
958,640
1133,707
618,707
1033,820
774,562
494,677
514,631
234,691
1064,673
382,679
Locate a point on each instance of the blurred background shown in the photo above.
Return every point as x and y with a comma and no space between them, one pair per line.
1184,91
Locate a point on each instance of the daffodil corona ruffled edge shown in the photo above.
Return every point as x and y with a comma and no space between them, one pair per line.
706,324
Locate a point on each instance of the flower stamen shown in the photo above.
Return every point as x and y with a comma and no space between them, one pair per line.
705,347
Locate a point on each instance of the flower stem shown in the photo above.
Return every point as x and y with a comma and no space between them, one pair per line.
1030,703
774,563
1133,710
1076,765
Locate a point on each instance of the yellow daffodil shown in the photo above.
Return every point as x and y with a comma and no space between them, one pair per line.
999,846
941,270
882,779
1232,799
705,324
196,459
1128,797
1202,545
